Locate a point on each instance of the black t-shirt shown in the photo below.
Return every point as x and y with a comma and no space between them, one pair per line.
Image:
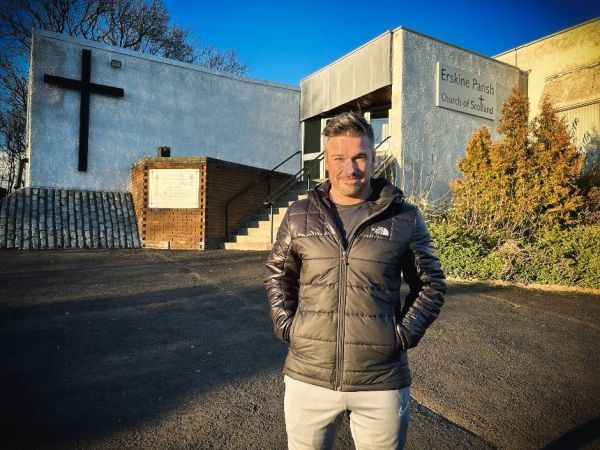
349,217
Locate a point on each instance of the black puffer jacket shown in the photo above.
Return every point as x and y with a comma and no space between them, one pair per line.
341,310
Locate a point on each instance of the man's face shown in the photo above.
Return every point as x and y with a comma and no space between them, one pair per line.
349,161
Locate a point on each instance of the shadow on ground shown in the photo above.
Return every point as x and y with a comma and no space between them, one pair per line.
142,349
92,364
88,367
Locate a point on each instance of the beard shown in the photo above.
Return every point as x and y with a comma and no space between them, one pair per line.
351,186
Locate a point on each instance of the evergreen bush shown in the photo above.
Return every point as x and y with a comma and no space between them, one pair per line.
523,183
462,253
566,257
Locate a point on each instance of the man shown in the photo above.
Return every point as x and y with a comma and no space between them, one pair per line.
333,286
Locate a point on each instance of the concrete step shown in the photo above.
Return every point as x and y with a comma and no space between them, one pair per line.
292,197
286,201
263,231
257,233
256,230
266,224
265,238
256,246
278,209
266,216
265,220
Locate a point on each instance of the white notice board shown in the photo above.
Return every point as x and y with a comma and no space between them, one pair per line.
173,188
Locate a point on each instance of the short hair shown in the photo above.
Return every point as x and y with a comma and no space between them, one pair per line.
349,124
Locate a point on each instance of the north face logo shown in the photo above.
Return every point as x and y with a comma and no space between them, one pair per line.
381,231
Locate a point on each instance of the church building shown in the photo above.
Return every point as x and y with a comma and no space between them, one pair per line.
426,97
99,117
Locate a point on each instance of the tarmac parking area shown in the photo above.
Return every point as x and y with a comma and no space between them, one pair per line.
151,349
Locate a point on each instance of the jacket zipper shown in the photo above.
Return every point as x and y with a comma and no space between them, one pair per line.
337,384
341,321
342,299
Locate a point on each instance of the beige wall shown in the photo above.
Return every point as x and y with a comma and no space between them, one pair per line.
565,66
585,127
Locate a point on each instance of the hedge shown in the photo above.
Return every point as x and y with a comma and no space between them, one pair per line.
568,257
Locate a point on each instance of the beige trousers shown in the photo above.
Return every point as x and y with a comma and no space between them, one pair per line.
378,419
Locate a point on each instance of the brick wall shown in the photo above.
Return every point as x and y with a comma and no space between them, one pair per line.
225,180
203,227
179,228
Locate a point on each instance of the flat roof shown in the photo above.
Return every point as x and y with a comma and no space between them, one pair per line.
160,59
391,31
347,54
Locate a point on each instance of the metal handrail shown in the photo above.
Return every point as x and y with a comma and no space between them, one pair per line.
382,167
381,143
281,190
251,185
284,188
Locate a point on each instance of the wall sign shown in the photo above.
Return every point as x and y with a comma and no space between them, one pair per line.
465,92
173,188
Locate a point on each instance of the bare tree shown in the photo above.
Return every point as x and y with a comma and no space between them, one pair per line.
13,98
141,25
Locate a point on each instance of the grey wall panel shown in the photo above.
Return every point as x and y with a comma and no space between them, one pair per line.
433,139
364,70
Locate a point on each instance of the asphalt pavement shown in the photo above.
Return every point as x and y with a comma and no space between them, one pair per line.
151,349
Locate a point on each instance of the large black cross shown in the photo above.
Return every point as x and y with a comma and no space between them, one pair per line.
85,88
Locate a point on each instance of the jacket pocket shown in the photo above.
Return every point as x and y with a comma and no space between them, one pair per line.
397,342
292,327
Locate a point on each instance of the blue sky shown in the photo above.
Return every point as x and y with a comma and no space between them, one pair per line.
285,42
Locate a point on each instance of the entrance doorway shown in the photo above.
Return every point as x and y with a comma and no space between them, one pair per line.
313,145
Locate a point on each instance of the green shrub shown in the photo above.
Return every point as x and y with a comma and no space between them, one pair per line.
567,257
462,254
570,257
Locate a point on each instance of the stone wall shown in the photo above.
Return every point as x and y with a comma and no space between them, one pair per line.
33,218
